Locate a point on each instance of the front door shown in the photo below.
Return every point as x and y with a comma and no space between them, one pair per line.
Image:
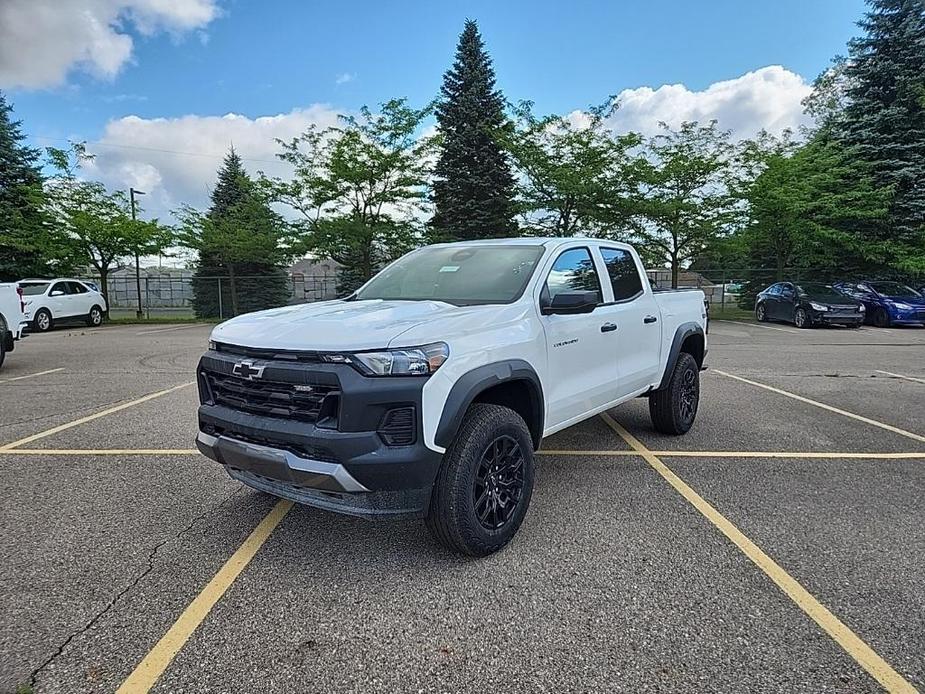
786,302
581,348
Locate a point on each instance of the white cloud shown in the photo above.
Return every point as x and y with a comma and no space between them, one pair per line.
766,98
41,41
345,77
175,160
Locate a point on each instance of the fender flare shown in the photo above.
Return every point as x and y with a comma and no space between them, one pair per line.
472,383
684,331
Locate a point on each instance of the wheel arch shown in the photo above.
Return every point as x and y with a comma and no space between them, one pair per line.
512,383
688,338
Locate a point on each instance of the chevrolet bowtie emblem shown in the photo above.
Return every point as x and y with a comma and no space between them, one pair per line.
247,370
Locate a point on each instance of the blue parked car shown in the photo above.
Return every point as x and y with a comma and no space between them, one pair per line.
887,303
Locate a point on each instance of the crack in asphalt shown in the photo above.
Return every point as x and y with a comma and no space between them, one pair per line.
152,555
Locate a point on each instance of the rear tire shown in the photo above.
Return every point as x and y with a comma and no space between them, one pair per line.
43,320
674,408
3,339
95,317
485,482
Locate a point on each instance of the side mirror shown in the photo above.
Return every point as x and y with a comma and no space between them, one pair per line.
572,302
56,292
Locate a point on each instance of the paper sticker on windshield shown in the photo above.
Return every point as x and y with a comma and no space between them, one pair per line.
449,268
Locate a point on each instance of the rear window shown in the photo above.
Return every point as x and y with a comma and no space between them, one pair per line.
34,289
624,277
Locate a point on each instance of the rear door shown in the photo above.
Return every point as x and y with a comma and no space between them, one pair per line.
786,302
581,348
81,298
636,314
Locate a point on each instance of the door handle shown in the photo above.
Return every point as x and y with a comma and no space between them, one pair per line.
649,319
608,327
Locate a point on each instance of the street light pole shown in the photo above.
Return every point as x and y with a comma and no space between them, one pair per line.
131,194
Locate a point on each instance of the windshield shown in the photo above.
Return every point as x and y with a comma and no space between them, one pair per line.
34,289
894,289
460,275
817,290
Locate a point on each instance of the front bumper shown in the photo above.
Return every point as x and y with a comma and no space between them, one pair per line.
342,464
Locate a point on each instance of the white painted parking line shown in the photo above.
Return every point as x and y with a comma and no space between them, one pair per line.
840,632
905,378
167,330
40,373
90,418
822,405
757,325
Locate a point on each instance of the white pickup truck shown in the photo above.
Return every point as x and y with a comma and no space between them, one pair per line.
427,391
11,318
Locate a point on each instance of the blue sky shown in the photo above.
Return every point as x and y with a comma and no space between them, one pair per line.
255,59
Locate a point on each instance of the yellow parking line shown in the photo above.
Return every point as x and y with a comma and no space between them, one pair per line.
90,418
822,405
750,454
905,378
865,656
100,451
40,373
158,658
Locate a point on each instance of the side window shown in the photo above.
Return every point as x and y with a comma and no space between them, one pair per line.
624,277
573,271
59,287
786,291
77,288
774,290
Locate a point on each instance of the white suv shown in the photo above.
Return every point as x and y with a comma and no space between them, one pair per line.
62,299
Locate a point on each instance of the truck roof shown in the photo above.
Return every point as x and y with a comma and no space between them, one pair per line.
529,241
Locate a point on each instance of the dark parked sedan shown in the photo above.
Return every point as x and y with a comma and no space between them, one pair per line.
808,304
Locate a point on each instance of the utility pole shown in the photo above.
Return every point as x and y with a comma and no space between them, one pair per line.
131,194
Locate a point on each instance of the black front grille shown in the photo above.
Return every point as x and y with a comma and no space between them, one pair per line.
397,427
301,402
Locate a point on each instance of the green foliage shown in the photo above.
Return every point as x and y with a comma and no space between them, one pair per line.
240,240
574,172
26,244
97,226
685,198
361,188
884,117
473,190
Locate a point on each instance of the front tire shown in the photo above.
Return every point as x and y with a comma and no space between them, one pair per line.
43,320
95,317
801,318
882,318
485,482
674,408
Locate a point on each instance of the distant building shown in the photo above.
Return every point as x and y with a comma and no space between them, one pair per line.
314,279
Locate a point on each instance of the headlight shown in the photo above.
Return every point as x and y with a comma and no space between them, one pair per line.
818,307
901,306
212,346
862,308
407,361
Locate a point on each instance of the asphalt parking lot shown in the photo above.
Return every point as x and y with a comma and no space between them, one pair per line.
778,546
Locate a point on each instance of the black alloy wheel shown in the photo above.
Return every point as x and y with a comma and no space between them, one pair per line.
690,397
882,318
498,483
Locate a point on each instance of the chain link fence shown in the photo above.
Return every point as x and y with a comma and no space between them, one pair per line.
174,296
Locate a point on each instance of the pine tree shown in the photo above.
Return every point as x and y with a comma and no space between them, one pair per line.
22,222
238,241
473,187
885,115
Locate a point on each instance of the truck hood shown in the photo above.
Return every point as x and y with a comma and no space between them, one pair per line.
333,325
